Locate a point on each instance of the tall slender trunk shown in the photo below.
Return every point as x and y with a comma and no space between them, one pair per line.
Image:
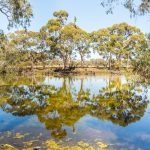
120,63
82,60
64,62
127,65
110,57
70,61
32,65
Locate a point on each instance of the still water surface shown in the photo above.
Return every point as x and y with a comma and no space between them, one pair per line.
93,112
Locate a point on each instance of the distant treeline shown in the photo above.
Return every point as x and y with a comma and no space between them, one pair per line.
120,45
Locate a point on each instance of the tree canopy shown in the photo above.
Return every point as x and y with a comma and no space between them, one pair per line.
120,42
119,46
17,12
140,7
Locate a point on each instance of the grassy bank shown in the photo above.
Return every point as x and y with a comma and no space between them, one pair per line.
58,70
79,71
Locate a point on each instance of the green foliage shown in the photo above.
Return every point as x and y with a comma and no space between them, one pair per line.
2,40
141,7
119,46
61,16
51,36
18,12
81,41
120,42
141,61
63,39
23,50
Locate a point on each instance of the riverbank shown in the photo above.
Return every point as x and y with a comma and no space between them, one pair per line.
78,71
59,71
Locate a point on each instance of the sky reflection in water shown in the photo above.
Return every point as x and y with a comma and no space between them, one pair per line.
111,109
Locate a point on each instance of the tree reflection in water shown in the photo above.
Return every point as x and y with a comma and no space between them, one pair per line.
55,107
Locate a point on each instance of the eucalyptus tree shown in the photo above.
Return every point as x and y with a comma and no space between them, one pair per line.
104,43
98,39
140,7
82,42
3,40
119,42
52,35
27,44
75,41
7,53
17,12
141,61
67,43
130,41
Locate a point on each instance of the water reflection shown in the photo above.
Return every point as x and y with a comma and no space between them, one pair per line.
120,102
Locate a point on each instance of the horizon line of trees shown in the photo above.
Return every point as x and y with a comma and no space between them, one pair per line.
118,45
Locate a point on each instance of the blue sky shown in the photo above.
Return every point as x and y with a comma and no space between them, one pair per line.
90,15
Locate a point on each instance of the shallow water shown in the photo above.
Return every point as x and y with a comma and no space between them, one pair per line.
93,112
